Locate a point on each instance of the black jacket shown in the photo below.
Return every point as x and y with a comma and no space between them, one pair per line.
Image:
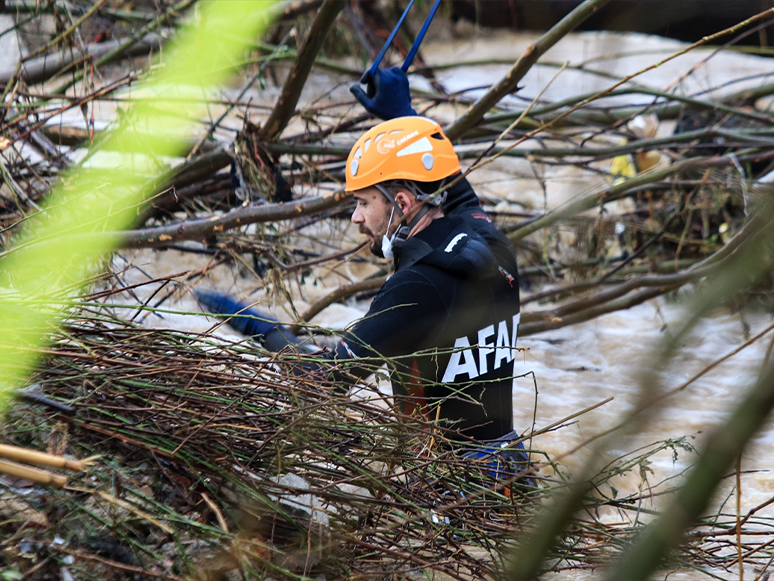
448,319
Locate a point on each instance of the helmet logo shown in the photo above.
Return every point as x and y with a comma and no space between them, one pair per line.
384,146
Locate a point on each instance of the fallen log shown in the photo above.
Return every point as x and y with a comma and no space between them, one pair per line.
45,67
204,228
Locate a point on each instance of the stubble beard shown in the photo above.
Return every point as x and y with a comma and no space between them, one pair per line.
375,239
375,242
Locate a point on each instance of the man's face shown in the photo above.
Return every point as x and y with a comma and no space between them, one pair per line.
372,215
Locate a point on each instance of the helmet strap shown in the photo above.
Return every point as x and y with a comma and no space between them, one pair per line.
385,192
399,237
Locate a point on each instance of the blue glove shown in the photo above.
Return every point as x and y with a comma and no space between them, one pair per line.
503,463
387,94
248,322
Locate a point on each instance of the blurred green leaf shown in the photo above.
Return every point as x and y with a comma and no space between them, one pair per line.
104,194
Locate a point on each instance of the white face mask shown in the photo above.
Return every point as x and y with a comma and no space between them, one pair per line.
387,240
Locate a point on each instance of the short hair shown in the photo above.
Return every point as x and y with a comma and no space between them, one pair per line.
422,190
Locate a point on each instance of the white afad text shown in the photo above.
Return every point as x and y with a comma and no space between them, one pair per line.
494,345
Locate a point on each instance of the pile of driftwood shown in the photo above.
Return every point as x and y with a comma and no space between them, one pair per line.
280,472
208,458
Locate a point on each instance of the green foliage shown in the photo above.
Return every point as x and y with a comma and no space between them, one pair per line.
61,244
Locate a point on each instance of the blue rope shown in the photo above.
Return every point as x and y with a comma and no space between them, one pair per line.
414,47
420,37
387,44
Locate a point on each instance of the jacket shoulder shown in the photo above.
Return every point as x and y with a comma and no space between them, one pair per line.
462,251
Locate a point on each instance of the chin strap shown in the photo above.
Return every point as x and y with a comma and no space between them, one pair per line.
404,229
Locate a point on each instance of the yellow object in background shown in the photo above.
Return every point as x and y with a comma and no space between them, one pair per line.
629,165
623,166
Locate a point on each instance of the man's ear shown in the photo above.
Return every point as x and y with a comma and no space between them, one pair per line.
405,201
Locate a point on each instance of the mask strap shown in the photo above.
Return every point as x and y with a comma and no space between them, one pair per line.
389,222
399,237
391,199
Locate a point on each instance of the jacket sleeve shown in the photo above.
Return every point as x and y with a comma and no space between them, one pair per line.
402,320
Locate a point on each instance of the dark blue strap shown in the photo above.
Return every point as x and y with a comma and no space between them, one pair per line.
387,44
242,318
420,36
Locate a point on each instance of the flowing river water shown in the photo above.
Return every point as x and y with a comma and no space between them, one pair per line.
564,371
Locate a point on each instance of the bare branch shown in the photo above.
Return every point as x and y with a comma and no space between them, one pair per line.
204,228
338,295
43,68
291,91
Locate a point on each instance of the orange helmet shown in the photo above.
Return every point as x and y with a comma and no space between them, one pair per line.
407,148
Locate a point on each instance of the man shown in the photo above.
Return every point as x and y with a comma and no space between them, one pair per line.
447,319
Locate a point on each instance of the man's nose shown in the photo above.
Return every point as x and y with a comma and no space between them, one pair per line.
357,217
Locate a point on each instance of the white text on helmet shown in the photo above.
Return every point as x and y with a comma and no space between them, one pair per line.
407,137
